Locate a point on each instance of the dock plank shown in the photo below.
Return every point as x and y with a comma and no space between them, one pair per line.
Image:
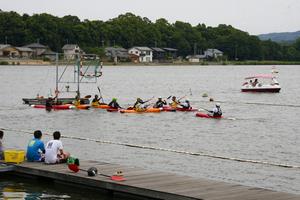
152,184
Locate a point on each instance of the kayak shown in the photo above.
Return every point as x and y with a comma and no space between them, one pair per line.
205,115
102,106
187,109
112,110
81,107
169,109
56,107
148,110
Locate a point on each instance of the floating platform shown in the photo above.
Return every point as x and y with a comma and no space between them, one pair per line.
148,183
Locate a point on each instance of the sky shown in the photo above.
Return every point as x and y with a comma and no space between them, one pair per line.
253,16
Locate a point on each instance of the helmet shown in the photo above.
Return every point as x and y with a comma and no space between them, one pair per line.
159,97
114,99
92,171
218,104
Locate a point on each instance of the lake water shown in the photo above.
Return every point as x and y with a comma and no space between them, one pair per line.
266,126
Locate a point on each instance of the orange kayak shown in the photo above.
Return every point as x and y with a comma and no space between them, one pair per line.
102,106
148,110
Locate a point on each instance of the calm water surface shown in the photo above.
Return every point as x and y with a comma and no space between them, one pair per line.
262,131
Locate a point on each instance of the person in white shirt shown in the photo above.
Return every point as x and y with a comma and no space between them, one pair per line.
216,111
54,150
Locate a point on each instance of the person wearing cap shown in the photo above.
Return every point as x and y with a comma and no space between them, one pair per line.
216,111
186,104
174,102
114,104
160,103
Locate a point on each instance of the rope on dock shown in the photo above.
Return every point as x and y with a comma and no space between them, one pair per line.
164,149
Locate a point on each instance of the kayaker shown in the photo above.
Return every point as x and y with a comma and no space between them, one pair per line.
114,104
174,102
54,150
36,148
160,103
49,103
139,105
186,104
216,111
95,101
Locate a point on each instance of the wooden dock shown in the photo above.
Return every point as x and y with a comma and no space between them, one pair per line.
149,184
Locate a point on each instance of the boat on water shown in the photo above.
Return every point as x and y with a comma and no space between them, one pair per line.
84,71
261,83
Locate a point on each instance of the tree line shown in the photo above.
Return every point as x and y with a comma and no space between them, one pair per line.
128,30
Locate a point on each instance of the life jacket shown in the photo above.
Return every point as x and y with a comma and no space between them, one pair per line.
96,103
159,104
174,104
218,113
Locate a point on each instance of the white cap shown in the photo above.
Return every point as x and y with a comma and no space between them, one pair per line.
218,104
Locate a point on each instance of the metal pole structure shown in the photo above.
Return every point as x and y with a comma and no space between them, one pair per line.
56,61
78,75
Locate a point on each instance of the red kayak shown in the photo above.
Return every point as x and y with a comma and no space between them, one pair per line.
204,115
169,109
187,109
56,107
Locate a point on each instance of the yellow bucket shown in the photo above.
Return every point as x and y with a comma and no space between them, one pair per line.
14,156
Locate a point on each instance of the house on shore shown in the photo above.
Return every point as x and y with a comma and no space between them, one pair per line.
117,54
144,54
171,53
25,52
7,50
37,49
195,58
213,53
158,54
70,51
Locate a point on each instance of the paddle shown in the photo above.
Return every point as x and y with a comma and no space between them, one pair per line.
119,177
100,94
205,109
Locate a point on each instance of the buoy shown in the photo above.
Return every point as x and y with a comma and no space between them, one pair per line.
204,95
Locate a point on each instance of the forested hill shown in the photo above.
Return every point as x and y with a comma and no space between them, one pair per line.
129,30
281,37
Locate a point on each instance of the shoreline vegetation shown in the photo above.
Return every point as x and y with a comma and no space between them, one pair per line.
36,62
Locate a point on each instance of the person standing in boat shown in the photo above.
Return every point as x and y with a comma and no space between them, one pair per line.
160,103
48,104
114,104
216,111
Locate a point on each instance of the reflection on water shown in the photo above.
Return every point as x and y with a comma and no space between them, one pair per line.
15,188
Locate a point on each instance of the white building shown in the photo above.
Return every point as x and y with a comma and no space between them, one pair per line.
145,54
70,50
213,53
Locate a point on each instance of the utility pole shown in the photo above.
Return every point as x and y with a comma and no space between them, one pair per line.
195,48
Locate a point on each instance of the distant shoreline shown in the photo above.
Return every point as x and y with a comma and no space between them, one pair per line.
32,62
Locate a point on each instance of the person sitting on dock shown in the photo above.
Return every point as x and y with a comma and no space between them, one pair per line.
54,150
186,104
1,145
160,103
114,104
216,111
174,102
95,101
36,148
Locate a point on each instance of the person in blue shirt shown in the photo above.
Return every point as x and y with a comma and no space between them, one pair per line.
36,148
